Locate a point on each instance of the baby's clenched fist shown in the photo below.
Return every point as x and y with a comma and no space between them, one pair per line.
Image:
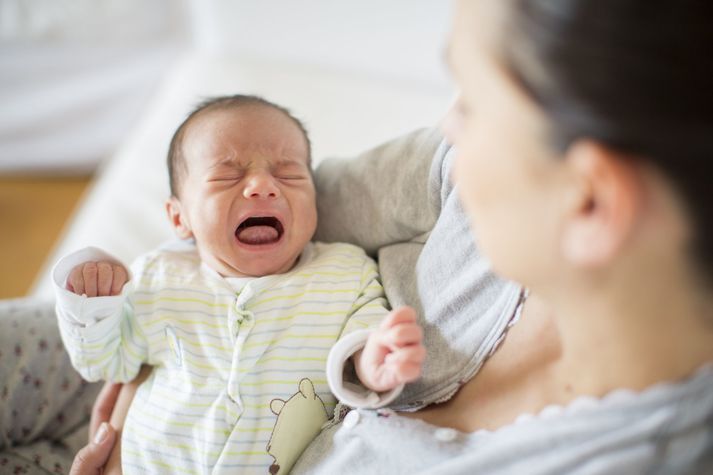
97,279
394,352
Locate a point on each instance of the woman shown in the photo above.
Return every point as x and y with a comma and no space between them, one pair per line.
584,154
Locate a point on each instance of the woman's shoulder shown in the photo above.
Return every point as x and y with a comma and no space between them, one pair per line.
665,429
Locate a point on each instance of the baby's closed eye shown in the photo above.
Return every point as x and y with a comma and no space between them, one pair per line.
226,178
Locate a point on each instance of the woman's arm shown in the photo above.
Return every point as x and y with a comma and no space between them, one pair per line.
380,197
122,398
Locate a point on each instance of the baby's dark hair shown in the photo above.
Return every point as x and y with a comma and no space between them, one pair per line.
175,159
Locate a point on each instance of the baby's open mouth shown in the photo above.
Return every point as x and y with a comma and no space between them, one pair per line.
259,230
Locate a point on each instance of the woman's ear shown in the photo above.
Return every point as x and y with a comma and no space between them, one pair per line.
178,218
607,200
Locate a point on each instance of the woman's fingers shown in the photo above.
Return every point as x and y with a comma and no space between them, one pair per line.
91,459
103,407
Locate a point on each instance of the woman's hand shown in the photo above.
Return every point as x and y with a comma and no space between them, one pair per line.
103,407
91,459
112,405
394,352
102,436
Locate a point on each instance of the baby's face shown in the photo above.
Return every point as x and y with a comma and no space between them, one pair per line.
247,196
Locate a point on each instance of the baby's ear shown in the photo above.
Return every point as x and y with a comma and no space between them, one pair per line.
178,218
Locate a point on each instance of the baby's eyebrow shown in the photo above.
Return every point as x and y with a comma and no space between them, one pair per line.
289,162
227,161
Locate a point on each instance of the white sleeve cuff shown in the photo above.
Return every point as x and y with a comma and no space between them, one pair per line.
351,394
80,310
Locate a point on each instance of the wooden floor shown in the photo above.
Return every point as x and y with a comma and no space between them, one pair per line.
33,212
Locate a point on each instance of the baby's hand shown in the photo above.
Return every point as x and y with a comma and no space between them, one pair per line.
97,279
393,354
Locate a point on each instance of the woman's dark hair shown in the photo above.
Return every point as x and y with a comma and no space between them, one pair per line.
635,75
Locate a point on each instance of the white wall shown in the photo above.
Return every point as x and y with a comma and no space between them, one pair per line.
76,74
397,39
110,22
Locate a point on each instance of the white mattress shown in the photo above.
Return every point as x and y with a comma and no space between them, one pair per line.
123,212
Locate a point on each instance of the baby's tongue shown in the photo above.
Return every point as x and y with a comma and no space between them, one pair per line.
258,235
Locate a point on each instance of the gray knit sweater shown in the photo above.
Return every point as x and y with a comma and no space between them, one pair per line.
429,260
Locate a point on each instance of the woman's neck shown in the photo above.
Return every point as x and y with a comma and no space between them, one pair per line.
633,330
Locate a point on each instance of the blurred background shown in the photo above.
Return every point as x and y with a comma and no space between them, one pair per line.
89,89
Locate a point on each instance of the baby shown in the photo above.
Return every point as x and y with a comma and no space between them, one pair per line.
240,317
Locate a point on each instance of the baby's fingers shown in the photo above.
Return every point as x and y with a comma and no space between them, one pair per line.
75,281
403,335
105,276
97,279
404,371
410,372
410,354
120,278
398,316
89,272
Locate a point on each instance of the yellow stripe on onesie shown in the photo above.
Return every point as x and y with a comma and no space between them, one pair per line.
239,383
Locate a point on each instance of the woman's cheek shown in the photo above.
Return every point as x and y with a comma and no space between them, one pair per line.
465,176
451,126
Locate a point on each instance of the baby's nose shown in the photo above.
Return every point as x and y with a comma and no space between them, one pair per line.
261,185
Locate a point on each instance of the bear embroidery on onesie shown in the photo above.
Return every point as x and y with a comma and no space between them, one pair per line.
299,420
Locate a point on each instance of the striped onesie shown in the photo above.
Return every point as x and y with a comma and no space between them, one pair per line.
239,380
